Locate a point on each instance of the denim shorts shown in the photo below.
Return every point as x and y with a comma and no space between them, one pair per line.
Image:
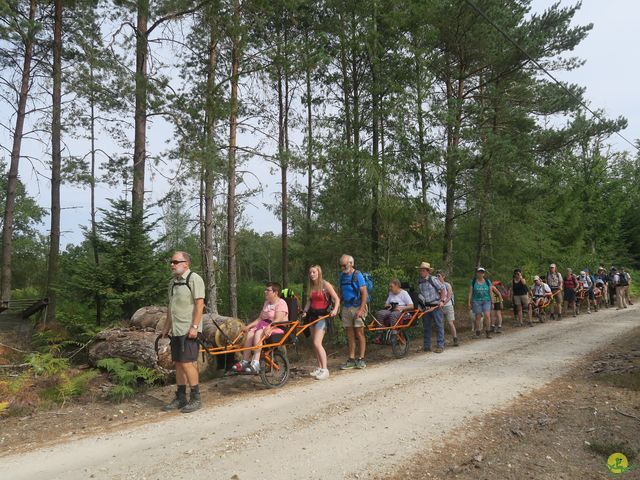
481,306
321,325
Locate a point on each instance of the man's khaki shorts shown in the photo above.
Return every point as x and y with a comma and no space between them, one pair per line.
348,315
557,299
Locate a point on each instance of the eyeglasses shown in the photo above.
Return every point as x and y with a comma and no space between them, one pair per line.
267,290
176,262
344,265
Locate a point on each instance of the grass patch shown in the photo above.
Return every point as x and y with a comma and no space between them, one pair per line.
630,380
607,447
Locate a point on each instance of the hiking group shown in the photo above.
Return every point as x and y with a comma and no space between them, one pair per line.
433,296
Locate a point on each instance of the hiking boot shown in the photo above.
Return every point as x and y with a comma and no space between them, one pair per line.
323,374
530,324
559,316
493,328
499,329
194,403
488,333
439,350
179,401
426,349
553,316
478,332
350,364
360,363
456,343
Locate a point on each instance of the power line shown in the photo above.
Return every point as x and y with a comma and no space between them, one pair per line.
549,74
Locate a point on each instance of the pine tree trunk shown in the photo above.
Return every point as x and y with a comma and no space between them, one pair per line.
92,185
283,147
309,202
140,115
12,180
231,171
56,131
424,179
375,126
454,119
209,179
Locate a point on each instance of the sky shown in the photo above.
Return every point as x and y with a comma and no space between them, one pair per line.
610,76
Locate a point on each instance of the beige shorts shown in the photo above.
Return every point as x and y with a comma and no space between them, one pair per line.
449,313
349,319
521,300
557,299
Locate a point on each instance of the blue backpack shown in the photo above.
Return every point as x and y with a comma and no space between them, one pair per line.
368,281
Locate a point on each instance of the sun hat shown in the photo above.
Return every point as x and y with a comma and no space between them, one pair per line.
426,265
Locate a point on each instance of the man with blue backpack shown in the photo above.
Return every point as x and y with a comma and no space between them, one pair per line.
354,294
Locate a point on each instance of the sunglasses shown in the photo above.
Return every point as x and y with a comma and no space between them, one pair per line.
176,262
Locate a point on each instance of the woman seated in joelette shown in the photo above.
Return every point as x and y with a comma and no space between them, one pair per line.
397,302
274,310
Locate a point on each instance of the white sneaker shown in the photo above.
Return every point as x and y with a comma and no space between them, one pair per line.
315,372
323,374
253,368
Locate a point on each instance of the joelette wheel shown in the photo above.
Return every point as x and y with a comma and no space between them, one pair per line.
400,344
274,369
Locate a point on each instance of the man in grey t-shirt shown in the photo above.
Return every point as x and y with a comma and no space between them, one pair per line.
184,321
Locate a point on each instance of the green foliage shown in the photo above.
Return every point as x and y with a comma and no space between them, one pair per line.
127,376
132,270
46,364
68,386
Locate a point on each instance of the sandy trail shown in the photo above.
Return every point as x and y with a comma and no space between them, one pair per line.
331,429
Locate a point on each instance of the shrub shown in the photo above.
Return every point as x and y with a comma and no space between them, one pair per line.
127,376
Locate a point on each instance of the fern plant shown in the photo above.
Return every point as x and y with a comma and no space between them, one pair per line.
127,376
45,364
68,386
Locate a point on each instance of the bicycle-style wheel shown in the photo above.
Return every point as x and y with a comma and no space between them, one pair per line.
274,369
400,344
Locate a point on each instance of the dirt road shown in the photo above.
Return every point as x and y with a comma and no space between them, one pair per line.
354,425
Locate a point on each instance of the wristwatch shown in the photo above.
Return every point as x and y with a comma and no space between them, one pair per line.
194,326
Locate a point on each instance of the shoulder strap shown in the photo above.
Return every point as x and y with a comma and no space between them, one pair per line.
185,283
354,277
432,283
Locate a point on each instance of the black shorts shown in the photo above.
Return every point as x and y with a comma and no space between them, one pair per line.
569,295
497,306
183,349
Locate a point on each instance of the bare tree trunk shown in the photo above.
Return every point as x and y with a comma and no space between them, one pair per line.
209,179
231,172
375,120
309,202
454,101
56,132
424,179
283,153
140,115
12,180
94,226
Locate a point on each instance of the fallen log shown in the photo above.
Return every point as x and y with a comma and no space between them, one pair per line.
136,344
